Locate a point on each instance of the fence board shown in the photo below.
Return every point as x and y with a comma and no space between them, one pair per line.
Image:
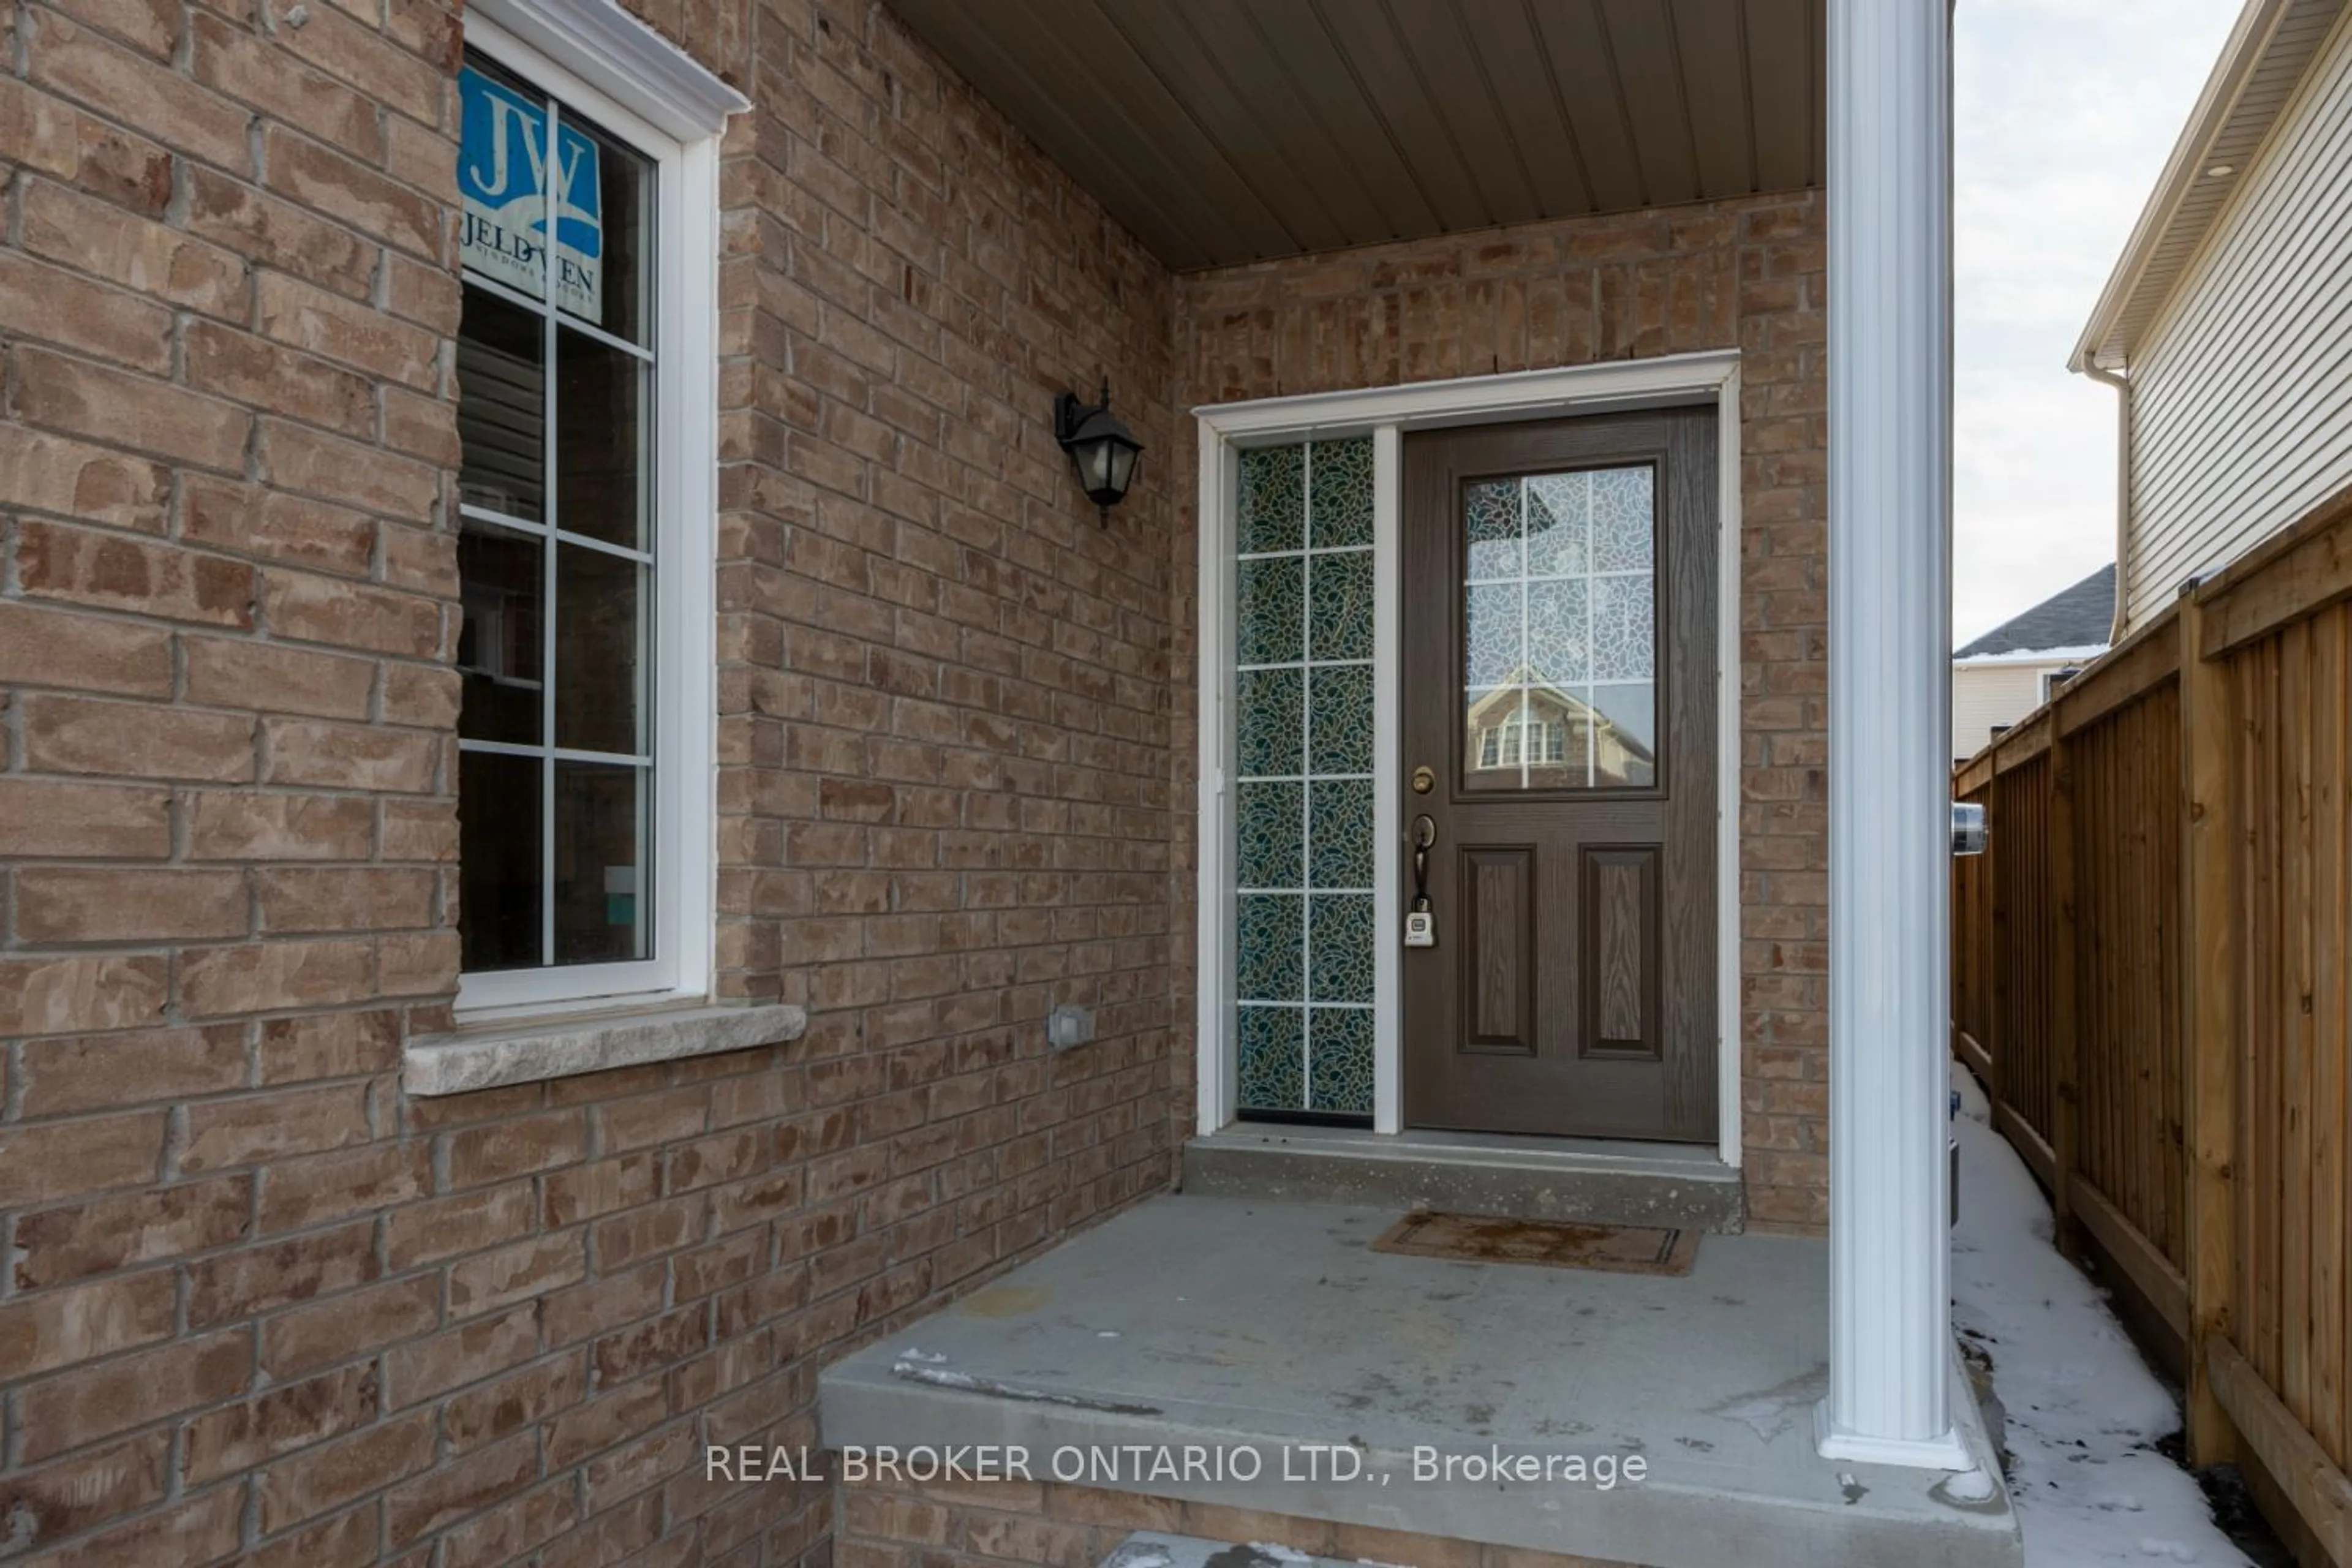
2154,973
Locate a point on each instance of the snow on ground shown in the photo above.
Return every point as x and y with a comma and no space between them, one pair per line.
2083,1407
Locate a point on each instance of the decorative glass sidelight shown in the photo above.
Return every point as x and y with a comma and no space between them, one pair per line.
1303,791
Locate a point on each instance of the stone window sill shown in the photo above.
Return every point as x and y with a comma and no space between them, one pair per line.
530,1050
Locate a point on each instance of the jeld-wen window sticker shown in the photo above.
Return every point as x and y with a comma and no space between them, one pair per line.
505,176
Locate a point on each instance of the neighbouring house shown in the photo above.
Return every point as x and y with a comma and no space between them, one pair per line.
2226,322
608,858
2011,671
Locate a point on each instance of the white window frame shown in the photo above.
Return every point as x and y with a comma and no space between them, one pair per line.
1386,414
596,60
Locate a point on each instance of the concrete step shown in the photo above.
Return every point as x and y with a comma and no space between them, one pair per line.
1596,1181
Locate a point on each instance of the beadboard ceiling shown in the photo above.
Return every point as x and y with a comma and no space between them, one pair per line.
1232,130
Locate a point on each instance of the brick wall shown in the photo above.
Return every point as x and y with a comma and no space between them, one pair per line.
257,1303
1740,274
985,1524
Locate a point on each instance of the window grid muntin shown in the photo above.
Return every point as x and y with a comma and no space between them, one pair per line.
1523,580
553,321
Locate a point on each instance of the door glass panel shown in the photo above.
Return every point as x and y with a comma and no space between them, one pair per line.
1560,631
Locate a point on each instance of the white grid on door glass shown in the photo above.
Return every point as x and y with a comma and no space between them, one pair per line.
1559,629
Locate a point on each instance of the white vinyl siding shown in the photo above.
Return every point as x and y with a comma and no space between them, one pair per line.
2241,393
1985,695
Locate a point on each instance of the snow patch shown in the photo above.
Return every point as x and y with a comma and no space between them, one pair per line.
2084,1409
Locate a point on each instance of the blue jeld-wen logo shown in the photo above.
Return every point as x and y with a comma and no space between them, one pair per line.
504,173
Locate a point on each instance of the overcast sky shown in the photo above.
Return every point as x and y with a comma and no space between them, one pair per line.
2065,112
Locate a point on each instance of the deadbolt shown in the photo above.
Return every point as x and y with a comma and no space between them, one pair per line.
1424,779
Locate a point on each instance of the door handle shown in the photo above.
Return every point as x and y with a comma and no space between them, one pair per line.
1424,834
1419,925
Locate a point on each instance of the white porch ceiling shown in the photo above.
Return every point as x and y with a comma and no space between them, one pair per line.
1230,131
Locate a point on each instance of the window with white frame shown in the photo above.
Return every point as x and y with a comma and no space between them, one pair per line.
586,374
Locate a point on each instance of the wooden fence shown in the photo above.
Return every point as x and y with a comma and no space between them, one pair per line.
2150,974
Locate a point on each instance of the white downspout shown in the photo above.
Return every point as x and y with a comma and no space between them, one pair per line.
2122,383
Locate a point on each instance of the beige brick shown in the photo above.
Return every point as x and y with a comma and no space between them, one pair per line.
115,571
82,398
427,1368
74,1242
413,830
424,697
72,735
347,899
39,816
205,1528
150,26
348,331
57,139
41,472
515,1273
329,1045
275,233
100,1072
93,1486
315,463
351,192
289,1416
140,93
52,1329
349,756
231,515
448,1226
347,614
370,61
83,994
83,1406
72,904
229,825
235,365
491,1410
102,240
456,1490
224,672
52,305
311,1483
299,1193
256,1279
259,1128
357,1323
244,66
51,647
504,1150
267,975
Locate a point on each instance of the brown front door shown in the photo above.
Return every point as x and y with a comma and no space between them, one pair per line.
1560,689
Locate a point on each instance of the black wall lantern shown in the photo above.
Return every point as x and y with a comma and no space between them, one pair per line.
1103,448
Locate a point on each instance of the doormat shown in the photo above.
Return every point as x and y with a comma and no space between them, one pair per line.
1482,1238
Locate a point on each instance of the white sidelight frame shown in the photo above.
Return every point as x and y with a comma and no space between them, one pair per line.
1386,414
1890,290
597,59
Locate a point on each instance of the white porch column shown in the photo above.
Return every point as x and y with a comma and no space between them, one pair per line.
1890,683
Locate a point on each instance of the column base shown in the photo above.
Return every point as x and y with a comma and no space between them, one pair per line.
1949,1452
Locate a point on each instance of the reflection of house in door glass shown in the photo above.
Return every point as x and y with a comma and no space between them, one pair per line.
1558,739
1560,651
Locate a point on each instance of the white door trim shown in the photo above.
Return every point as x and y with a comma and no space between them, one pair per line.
1385,414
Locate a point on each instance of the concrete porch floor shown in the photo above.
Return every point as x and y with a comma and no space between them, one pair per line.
1222,1321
